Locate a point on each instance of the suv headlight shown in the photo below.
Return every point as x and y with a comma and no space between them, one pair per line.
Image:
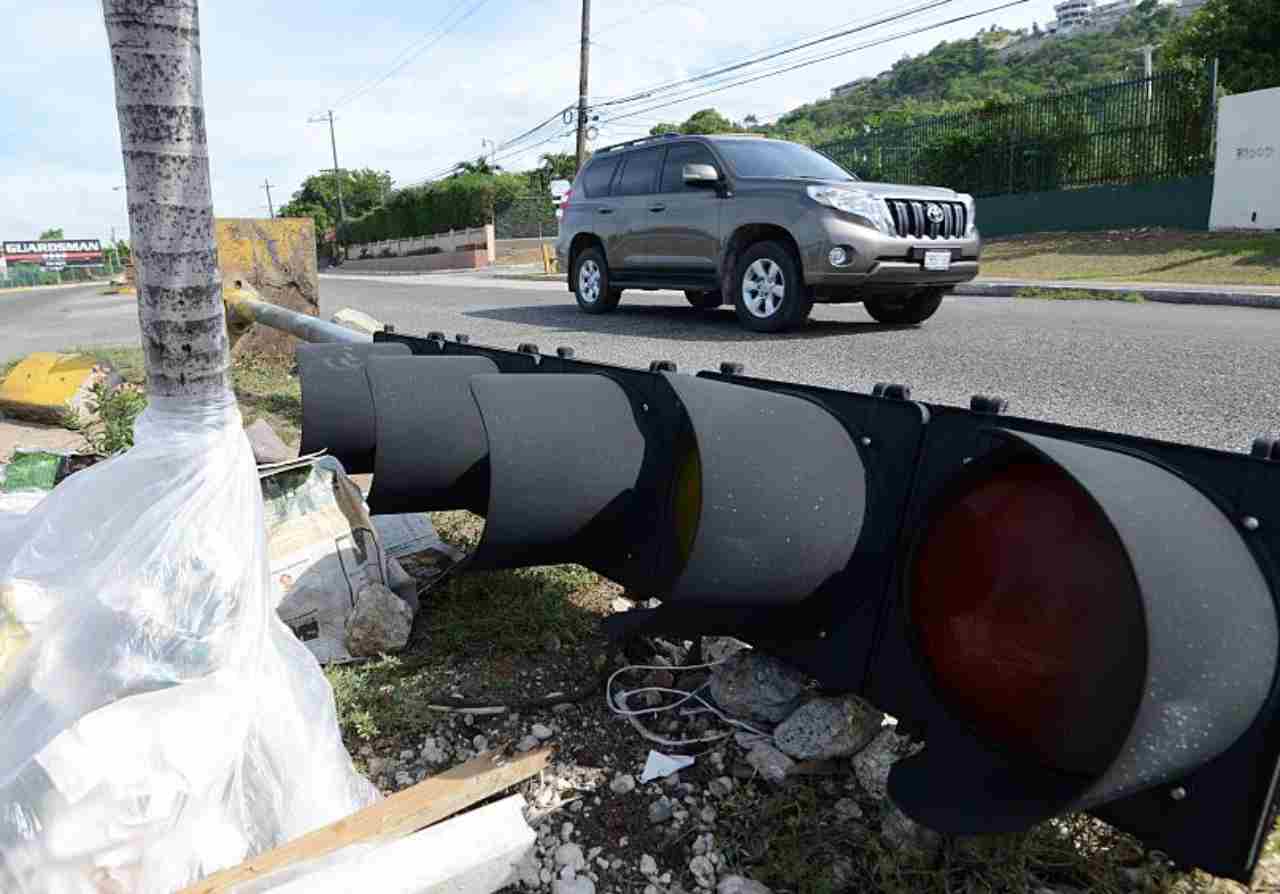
970,214
854,201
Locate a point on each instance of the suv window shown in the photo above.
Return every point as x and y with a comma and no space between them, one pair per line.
677,157
639,174
595,179
774,158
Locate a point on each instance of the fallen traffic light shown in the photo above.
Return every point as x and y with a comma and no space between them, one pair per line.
1071,619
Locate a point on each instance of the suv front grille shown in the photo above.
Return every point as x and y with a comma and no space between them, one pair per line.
911,218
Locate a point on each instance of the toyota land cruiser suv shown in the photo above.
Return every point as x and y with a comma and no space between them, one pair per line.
767,225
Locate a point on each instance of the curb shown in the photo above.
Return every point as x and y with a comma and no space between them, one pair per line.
1221,298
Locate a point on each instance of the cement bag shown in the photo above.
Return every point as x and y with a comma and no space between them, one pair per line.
159,720
325,551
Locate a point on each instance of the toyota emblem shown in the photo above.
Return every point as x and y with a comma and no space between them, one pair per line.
934,213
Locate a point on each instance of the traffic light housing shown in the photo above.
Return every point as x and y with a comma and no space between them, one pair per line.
1071,619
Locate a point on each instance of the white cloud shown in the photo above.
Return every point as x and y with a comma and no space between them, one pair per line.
268,67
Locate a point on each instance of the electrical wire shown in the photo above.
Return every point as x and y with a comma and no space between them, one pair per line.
814,61
618,704
804,45
413,51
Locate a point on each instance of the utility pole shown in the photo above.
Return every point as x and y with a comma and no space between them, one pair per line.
337,176
583,65
270,208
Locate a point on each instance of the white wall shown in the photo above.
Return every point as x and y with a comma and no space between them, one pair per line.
1246,184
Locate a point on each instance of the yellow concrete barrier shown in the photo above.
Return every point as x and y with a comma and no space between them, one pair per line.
44,385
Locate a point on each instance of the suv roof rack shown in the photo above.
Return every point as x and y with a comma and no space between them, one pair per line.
638,140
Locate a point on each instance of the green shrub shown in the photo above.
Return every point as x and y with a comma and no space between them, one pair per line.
110,430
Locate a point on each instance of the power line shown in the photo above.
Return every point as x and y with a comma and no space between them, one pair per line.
815,60
415,50
804,45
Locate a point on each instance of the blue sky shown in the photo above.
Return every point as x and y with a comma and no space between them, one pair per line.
269,66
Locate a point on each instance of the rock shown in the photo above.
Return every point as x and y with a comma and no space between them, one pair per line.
570,854
660,811
842,874
872,764
708,815
566,832
907,836
542,731
720,787
848,808
356,320
568,873
551,643
403,779
828,727
718,648
737,884
528,743
266,444
769,762
663,679
704,843
564,708
623,784
579,885
648,865
704,871
379,622
621,604
433,753
757,686
528,871
480,743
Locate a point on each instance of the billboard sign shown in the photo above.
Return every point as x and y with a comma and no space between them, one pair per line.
56,254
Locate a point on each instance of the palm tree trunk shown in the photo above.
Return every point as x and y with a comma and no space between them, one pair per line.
155,51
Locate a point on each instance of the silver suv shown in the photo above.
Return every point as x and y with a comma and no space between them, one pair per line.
767,225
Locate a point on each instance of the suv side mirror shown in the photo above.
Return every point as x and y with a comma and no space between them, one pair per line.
559,188
701,176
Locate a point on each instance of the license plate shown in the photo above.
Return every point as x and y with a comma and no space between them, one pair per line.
937,260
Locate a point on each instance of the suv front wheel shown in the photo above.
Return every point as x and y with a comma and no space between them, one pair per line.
904,309
591,283
768,291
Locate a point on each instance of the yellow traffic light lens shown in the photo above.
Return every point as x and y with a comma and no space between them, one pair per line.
1026,611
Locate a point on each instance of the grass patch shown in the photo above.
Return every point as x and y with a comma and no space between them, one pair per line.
793,840
266,389
1147,255
1079,295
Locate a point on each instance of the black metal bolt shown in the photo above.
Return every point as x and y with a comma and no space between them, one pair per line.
732,368
527,347
388,328
462,338
435,336
564,353
662,366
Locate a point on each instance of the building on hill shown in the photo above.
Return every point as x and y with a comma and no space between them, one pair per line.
1073,15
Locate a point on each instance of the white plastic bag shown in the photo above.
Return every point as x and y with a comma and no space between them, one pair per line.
157,720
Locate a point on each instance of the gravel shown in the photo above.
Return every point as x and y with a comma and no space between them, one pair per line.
1204,375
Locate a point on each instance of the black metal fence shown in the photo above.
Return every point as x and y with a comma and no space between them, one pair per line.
1129,132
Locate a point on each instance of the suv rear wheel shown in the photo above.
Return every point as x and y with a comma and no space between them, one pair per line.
704,300
768,292
905,309
591,283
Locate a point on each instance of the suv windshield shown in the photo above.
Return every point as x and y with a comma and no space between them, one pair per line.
770,158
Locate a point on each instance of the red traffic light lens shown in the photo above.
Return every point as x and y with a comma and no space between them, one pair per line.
1026,610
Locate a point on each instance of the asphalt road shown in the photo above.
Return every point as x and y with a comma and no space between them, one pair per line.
1202,375
60,317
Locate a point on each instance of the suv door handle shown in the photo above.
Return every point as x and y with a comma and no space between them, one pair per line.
657,207
604,210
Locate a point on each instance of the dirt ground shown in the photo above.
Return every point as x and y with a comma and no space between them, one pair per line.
14,434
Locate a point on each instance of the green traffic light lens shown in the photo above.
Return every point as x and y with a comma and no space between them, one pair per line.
1026,611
